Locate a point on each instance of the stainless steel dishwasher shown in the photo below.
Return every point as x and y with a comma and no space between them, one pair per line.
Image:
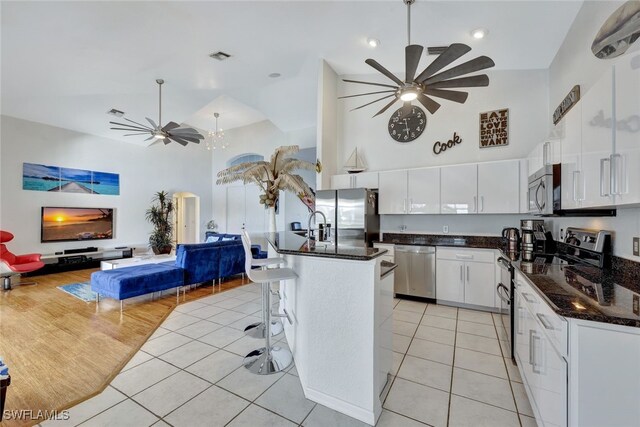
416,272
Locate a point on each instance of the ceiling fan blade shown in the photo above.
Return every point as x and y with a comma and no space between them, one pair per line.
385,108
139,124
373,63
185,137
452,53
479,63
166,141
451,95
186,130
372,102
471,81
132,130
189,134
412,54
363,94
150,138
369,83
138,133
155,126
131,126
170,126
428,103
180,141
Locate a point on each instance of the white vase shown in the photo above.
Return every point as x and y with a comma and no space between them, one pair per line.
272,219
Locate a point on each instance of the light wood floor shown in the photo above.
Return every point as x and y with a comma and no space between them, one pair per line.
61,350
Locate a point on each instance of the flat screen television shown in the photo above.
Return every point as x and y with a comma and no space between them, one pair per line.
75,224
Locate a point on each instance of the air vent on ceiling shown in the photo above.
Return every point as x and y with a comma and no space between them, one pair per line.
436,50
115,112
220,56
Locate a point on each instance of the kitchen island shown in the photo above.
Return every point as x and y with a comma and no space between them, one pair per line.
341,306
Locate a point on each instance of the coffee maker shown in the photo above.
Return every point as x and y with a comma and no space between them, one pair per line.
535,239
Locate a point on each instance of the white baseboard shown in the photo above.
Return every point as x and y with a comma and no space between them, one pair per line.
341,406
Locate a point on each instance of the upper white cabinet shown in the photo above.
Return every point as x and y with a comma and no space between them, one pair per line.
415,191
458,189
360,180
499,187
625,161
597,142
544,154
572,178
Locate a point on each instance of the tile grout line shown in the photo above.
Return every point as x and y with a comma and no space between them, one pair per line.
504,362
453,364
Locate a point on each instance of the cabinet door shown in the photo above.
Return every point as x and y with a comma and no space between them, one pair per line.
392,195
499,187
551,386
626,159
572,183
597,142
534,159
340,182
458,189
450,280
479,286
552,152
366,180
424,191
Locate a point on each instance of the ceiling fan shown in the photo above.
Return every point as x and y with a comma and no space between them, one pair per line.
428,84
167,133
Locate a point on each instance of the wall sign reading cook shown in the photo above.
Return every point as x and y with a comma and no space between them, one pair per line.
439,147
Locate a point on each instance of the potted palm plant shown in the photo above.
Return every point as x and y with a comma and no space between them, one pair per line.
272,177
159,214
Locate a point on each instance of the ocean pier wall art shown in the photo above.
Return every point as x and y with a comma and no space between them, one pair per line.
36,177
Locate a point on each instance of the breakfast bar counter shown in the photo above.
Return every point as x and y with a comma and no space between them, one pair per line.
341,311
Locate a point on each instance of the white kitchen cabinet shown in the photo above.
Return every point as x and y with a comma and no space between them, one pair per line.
499,187
390,248
392,196
458,189
572,177
597,142
544,154
626,159
359,180
423,191
465,276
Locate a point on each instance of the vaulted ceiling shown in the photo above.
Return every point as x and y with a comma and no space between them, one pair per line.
68,63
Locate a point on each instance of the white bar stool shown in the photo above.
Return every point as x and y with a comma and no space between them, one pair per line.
257,330
268,359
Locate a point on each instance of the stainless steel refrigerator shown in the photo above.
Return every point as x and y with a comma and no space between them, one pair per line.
353,215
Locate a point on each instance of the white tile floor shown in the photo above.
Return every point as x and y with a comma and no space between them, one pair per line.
448,369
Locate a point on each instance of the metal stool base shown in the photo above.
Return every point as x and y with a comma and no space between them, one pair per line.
262,362
257,330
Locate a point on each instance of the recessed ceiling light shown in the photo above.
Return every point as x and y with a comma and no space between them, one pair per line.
220,56
373,42
274,75
479,33
115,112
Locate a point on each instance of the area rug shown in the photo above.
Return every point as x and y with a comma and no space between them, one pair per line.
79,290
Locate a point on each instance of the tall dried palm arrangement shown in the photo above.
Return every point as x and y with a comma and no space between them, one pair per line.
272,177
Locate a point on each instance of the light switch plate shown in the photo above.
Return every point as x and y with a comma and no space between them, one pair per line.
636,246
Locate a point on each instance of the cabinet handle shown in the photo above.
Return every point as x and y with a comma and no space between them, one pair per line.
617,172
544,321
531,356
461,276
575,186
467,273
602,162
410,205
459,256
481,203
475,204
404,206
545,159
528,298
519,329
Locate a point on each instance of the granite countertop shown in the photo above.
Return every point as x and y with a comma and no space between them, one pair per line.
289,243
588,293
387,267
480,242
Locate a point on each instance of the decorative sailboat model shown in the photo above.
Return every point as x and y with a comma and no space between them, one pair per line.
355,164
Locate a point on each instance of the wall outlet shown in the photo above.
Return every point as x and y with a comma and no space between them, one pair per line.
445,229
636,246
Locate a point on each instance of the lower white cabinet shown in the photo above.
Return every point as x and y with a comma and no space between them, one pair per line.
465,276
390,248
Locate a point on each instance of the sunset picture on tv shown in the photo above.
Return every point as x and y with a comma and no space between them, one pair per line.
65,224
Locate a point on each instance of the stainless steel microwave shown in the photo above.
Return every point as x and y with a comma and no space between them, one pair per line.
540,191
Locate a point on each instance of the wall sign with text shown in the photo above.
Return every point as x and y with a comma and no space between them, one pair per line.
494,128
440,147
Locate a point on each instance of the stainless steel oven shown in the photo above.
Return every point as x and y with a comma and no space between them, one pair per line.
505,291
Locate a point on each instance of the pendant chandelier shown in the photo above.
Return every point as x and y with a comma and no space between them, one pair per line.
216,138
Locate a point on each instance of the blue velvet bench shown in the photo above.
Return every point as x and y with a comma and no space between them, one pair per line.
128,282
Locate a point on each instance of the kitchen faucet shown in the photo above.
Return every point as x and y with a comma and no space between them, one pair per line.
311,216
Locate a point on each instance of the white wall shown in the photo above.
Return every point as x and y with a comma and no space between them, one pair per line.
327,124
259,138
524,93
471,225
143,171
575,64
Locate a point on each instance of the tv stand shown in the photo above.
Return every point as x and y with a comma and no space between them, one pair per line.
80,259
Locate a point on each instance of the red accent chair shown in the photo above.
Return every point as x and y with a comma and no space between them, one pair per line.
11,265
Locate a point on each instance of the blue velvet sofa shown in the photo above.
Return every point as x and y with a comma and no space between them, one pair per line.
195,263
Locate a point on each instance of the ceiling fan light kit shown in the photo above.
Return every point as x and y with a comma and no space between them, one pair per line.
172,131
432,82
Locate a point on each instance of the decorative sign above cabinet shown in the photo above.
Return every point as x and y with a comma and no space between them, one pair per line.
407,123
439,147
567,103
494,128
